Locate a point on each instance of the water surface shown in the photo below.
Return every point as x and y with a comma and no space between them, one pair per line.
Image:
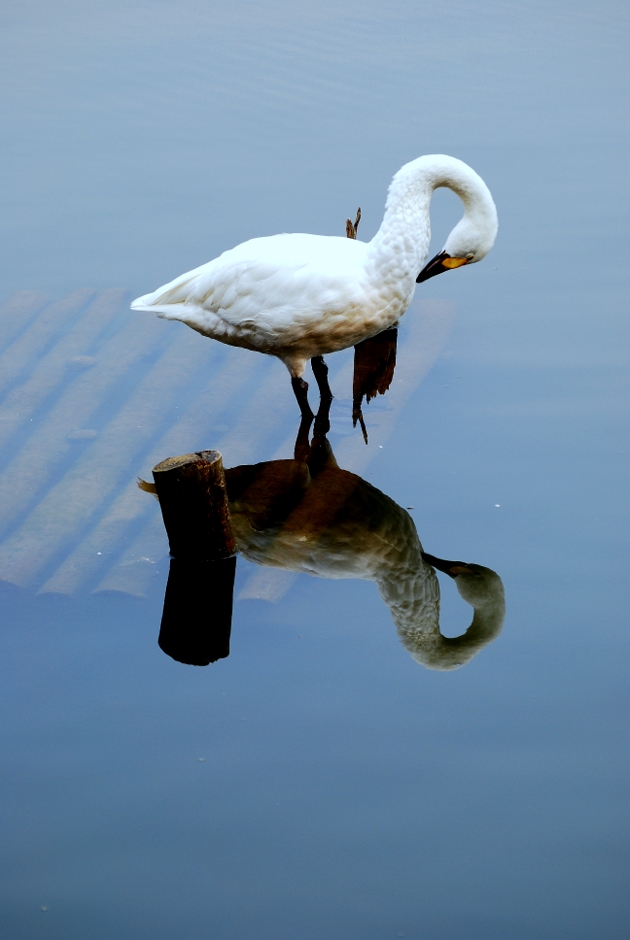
319,781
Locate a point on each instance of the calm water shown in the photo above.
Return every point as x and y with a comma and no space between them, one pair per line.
319,782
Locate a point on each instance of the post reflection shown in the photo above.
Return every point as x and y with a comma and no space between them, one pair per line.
197,615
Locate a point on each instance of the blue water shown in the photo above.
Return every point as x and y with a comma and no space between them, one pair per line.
319,782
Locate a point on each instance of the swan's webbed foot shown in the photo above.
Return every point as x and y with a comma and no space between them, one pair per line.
300,390
357,415
320,371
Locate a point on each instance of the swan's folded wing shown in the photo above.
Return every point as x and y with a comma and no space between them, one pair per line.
280,284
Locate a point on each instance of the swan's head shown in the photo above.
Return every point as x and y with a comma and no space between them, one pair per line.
475,234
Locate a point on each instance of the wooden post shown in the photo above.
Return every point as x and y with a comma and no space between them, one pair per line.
193,499
197,615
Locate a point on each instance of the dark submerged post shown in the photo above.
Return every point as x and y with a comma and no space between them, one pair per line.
197,615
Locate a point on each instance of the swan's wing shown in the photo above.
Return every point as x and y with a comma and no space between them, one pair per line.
278,286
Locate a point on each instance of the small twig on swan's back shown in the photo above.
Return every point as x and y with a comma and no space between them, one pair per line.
352,227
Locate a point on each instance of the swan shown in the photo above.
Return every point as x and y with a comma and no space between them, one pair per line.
310,516
299,297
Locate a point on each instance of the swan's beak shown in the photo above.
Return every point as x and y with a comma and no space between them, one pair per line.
438,265
452,568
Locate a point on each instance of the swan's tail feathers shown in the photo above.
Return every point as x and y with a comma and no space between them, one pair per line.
166,311
174,293
167,302
142,303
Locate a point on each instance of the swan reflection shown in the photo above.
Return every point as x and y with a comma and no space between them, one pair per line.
308,515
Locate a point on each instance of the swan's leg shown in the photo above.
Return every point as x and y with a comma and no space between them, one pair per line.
300,390
320,371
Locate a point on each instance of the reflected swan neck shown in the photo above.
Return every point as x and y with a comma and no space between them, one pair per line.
414,605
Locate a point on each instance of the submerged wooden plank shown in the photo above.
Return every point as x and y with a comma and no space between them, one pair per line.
68,355
267,584
36,463
190,431
77,500
23,353
17,311
137,566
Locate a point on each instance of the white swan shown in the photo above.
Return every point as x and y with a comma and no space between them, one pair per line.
299,297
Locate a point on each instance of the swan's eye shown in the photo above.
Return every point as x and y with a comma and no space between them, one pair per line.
470,256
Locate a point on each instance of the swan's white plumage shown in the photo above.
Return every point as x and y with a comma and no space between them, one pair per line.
296,296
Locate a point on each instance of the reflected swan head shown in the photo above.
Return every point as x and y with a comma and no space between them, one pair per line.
480,587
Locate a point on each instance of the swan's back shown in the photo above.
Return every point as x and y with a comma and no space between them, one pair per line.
276,270
287,295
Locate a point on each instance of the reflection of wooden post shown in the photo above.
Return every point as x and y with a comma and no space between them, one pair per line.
193,499
197,616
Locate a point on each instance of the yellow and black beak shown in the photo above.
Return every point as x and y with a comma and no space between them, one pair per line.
438,265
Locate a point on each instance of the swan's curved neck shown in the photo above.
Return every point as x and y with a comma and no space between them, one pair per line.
405,231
